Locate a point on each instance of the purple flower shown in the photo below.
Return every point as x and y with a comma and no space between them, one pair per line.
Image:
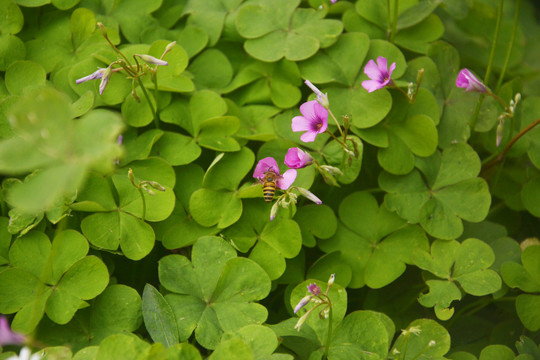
270,164
98,74
8,337
469,82
297,159
102,73
314,289
152,60
305,300
378,73
313,122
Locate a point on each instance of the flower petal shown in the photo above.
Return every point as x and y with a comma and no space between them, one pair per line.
391,69
286,179
308,109
300,123
372,71
372,85
264,165
320,113
309,136
382,64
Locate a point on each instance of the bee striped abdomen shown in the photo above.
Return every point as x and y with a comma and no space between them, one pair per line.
269,186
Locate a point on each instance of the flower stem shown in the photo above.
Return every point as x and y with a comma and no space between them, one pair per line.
143,203
501,101
337,139
156,121
335,120
329,334
501,156
510,46
394,23
490,62
494,43
388,21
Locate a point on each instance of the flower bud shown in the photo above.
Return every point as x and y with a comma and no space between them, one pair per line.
297,159
151,60
131,177
308,194
321,98
105,80
274,210
305,300
168,48
331,279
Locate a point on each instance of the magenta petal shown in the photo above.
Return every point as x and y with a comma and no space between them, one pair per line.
308,136
372,85
372,71
286,179
391,69
300,123
308,109
264,165
320,113
382,63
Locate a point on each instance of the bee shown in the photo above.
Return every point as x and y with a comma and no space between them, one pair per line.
269,185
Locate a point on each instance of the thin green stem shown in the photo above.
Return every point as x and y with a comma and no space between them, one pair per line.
501,101
495,41
337,139
329,335
394,23
143,203
510,46
490,62
156,121
388,20
156,95
335,120
394,86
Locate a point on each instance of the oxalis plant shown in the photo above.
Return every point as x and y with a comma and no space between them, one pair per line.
285,179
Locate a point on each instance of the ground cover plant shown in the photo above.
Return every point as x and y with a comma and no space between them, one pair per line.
284,179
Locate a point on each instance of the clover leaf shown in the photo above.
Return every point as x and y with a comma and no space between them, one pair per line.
204,118
466,264
261,339
526,276
375,242
258,82
442,190
123,223
215,292
216,203
279,29
271,242
55,279
116,310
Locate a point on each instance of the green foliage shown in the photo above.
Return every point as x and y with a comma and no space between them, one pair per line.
132,225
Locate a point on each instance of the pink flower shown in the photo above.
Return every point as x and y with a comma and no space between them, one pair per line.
270,164
313,122
7,336
469,82
305,300
314,289
378,73
297,159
